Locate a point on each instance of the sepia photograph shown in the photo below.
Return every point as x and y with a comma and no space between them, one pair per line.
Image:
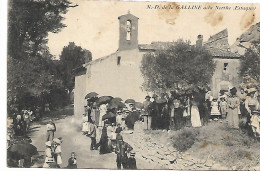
132,85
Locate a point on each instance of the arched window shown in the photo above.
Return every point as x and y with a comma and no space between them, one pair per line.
128,29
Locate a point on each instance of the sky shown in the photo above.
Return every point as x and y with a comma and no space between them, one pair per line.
94,25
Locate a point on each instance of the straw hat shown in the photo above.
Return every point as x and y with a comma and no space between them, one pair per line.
251,90
132,154
146,97
48,143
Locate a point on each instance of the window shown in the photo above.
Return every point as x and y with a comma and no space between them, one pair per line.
225,66
128,29
118,60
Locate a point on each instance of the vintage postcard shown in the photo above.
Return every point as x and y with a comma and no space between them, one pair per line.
133,85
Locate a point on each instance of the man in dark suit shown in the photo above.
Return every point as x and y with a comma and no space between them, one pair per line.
122,148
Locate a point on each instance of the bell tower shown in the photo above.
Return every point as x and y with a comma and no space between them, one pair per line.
128,32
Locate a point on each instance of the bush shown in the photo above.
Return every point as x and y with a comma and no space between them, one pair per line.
185,139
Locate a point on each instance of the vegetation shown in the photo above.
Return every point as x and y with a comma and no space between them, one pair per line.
185,139
32,72
179,67
250,67
72,56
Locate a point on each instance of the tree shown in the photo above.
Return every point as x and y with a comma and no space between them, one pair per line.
72,56
30,65
30,21
250,67
179,67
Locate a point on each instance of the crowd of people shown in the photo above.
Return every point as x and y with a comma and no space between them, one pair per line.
107,132
183,110
53,150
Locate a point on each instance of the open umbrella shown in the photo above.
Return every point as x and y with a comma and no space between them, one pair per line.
139,105
23,149
103,100
108,115
130,101
90,95
116,104
161,100
118,99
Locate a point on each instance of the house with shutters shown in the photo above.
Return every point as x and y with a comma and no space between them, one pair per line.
119,74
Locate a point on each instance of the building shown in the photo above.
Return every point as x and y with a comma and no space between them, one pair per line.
119,74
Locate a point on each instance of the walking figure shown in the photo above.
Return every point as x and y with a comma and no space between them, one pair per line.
51,128
93,135
122,149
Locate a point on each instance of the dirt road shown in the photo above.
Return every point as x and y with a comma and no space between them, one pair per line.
74,141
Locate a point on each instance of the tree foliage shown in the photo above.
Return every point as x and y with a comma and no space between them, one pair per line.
250,67
31,69
179,67
72,56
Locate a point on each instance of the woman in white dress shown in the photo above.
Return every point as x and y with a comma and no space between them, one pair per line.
195,115
57,152
102,111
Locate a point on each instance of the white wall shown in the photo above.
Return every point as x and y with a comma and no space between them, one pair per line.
107,78
79,97
219,75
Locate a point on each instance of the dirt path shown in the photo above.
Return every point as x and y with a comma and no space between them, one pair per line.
73,140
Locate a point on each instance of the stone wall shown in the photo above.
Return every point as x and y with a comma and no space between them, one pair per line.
164,155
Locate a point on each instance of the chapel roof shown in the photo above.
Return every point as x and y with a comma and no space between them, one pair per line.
217,45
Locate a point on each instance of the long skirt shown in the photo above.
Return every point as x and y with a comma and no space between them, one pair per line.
104,148
59,159
178,118
195,117
232,118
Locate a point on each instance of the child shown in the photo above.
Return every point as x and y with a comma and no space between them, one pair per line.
255,119
72,162
223,108
49,157
131,162
57,151
214,109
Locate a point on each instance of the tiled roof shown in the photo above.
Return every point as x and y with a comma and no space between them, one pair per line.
222,53
155,45
220,35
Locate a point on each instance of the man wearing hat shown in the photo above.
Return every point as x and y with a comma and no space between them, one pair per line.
131,162
122,149
154,112
93,135
147,112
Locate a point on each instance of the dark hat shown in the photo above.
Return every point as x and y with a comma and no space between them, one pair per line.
154,96
147,97
256,111
234,89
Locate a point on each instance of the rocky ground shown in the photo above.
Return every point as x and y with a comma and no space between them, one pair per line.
208,153
162,153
